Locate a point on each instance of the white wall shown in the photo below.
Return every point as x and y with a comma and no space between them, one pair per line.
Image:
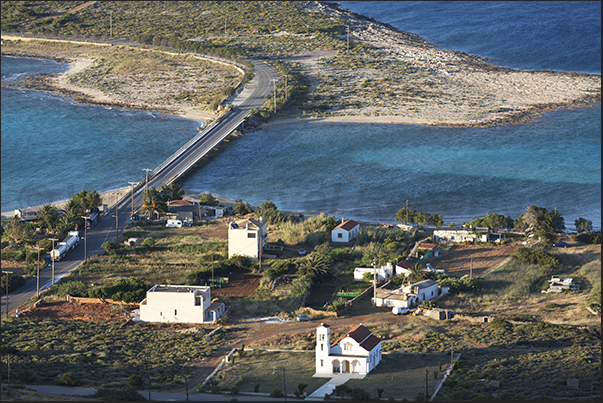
174,307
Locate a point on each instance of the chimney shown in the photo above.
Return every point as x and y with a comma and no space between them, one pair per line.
342,220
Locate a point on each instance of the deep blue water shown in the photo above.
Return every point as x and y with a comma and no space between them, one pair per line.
361,171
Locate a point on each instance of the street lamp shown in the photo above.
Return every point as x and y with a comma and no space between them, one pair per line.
52,257
284,380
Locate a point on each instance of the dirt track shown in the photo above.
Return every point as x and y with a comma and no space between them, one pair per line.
459,260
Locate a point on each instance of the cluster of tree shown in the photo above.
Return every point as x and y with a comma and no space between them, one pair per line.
154,202
408,215
269,212
126,289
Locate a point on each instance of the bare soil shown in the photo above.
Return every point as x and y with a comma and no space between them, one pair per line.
63,310
239,285
458,260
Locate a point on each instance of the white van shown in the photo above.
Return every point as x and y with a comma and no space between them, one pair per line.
398,310
174,224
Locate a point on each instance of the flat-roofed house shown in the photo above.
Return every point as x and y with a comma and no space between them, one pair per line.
408,296
461,235
180,304
345,232
356,352
247,238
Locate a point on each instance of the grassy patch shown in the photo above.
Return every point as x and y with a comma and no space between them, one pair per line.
102,352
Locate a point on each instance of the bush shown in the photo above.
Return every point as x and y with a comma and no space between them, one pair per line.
149,242
547,262
14,282
276,393
73,288
68,379
118,395
136,381
589,237
126,289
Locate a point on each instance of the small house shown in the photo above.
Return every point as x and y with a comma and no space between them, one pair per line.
408,296
180,304
182,210
345,232
461,234
356,352
383,273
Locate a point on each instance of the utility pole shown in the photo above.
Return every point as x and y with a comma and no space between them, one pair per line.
471,269
348,37
132,183
426,386
147,169
284,384
406,211
374,284
7,273
85,237
116,214
38,275
52,257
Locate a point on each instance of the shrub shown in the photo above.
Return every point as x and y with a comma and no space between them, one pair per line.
73,288
276,393
149,242
68,379
118,395
136,381
547,262
26,375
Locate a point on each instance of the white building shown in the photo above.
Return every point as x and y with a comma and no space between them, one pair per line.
247,238
384,273
345,232
357,352
461,234
180,304
408,296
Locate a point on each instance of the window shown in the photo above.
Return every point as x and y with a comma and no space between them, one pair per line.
322,337
197,301
175,312
339,235
321,363
321,346
251,235
347,347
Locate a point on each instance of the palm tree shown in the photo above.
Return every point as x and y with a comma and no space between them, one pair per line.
315,266
415,275
152,203
49,215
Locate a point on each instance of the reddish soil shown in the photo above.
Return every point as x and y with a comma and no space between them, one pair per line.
239,285
459,259
63,310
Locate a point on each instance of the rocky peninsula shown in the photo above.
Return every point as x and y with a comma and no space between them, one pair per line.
396,78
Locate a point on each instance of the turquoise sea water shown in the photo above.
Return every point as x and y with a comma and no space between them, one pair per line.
52,148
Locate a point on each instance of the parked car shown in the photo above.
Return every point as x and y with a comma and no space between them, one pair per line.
301,252
561,244
303,318
398,310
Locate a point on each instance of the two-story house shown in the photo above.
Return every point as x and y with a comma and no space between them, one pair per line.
357,352
247,238
180,304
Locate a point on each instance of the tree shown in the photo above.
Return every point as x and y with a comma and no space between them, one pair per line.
406,216
17,231
583,225
207,199
49,216
315,266
423,218
86,201
437,220
173,191
416,274
152,203
241,208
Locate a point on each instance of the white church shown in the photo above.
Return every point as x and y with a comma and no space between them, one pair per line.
356,352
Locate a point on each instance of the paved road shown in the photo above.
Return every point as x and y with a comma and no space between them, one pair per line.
251,97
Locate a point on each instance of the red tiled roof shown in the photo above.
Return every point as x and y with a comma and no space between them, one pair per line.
359,333
370,342
347,225
428,246
180,203
405,264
